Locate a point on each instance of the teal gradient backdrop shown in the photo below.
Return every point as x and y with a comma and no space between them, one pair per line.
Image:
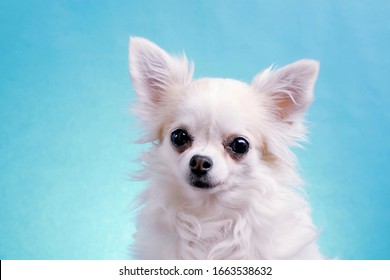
66,134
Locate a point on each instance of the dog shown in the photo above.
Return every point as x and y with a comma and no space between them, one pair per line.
222,180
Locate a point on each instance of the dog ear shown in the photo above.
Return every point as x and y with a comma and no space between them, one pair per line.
290,88
154,72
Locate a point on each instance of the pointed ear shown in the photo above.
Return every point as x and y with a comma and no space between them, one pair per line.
154,72
290,88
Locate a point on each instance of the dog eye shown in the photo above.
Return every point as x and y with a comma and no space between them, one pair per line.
239,145
180,137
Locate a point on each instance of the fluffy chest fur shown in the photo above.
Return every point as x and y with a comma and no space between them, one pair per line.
167,232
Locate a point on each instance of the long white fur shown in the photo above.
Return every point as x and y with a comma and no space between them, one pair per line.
257,209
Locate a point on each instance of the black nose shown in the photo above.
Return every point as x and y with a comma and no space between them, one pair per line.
200,164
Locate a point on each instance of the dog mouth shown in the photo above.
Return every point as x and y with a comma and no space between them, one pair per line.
202,182
202,185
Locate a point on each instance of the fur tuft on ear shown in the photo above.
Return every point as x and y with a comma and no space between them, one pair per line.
156,76
290,88
153,71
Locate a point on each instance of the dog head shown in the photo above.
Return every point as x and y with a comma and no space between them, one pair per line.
214,133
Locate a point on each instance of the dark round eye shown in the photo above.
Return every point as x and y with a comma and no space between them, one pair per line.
240,145
180,137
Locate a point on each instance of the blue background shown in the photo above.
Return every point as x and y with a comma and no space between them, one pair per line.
66,134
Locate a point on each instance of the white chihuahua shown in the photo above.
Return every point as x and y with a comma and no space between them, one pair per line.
222,179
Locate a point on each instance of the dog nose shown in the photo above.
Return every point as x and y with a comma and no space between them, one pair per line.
200,164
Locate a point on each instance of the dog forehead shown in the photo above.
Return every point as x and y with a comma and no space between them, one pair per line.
219,105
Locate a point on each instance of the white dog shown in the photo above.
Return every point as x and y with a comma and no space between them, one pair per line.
222,179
